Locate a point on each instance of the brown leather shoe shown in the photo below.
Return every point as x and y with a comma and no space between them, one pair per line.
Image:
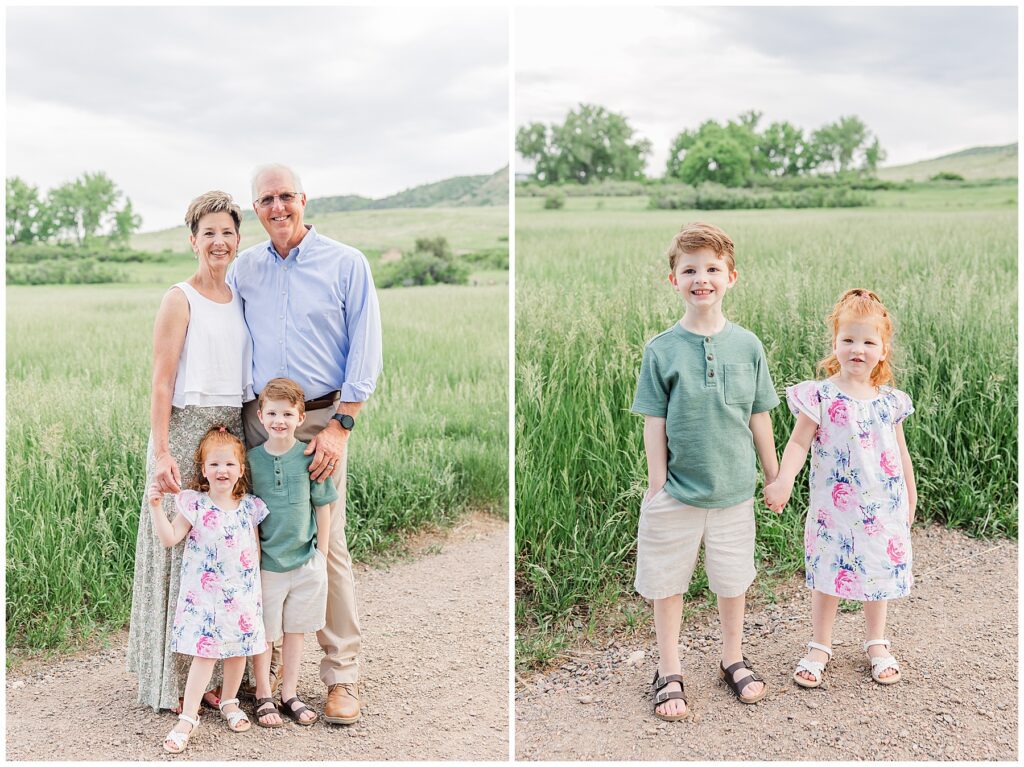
343,704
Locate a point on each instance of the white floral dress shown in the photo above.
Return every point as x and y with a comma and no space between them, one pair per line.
220,605
857,534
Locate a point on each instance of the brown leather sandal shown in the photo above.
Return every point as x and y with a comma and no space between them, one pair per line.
660,683
296,713
261,703
737,687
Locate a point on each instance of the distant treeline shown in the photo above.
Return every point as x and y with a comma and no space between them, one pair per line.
87,210
594,144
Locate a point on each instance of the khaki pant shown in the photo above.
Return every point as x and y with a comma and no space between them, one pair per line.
340,638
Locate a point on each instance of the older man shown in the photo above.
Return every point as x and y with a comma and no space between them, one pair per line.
312,310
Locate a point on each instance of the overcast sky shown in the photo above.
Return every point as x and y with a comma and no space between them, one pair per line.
173,102
927,81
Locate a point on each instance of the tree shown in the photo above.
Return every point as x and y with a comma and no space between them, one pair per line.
847,145
785,150
126,222
79,210
24,209
723,154
592,144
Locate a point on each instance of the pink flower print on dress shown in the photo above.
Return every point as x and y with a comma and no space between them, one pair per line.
245,623
245,559
209,581
207,647
820,436
809,541
190,598
867,439
210,519
229,540
897,553
193,536
837,413
889,463
824,518
842,496
848,585
872,526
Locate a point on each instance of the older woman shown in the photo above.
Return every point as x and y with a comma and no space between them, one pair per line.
202,372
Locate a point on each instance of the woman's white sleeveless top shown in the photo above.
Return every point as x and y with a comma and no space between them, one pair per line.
215,367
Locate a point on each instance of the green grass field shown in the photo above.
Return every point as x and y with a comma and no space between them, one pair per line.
433,440
591,289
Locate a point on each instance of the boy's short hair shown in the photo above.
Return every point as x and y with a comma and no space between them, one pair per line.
286,389
697,236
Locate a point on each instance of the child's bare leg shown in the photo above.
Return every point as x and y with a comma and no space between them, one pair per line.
199,674
291,656
823,618
234,668
730,613
261,669
874,616
668,613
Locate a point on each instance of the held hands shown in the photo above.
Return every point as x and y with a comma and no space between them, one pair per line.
777,493
328,448
166,475
154,495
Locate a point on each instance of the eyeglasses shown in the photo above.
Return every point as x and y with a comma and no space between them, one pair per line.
286,198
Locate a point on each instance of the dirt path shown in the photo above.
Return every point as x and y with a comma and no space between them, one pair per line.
956,638
434,671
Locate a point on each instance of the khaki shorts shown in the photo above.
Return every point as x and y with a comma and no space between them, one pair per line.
295,602
668,541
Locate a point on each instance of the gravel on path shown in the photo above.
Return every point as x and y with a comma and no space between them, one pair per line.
434,672
955,638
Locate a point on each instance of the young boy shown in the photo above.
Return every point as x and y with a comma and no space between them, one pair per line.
293,546
705,393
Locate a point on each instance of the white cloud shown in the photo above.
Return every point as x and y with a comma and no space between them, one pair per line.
171,102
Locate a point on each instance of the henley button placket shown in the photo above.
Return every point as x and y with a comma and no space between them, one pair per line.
709,348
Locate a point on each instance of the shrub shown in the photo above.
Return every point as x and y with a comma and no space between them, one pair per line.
62,272
493,258
554,201
28,253
711,196
431,263
946,175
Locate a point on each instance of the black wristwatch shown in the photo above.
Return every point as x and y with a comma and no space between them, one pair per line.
347,422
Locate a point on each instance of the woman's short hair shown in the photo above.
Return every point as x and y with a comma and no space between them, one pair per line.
212,202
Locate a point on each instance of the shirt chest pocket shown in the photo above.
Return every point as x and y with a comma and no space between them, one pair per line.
739,383
298,491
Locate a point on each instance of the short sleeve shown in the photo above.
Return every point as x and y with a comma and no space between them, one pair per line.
186,503
805,398
902,406
651,392
322,493
765,396
258,510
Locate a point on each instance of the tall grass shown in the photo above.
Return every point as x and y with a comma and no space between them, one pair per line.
432,440
592,289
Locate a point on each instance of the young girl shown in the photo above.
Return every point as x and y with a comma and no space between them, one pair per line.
219,612
862,499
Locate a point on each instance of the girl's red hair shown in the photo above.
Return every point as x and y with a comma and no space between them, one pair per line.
219,436
861,304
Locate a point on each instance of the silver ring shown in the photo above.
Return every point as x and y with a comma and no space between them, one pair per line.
331,463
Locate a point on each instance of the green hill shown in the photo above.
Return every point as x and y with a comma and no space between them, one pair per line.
982,162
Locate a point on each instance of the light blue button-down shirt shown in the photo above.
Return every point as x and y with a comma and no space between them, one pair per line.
313,316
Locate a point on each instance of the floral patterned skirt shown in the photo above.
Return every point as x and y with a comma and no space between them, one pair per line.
162,672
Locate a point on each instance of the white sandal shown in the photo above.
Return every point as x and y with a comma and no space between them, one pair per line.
882,663
813,667
234,717
180,739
